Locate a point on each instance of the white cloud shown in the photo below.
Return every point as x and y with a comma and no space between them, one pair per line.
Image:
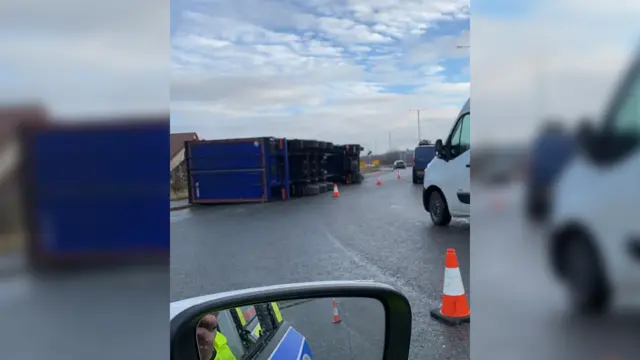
314,76
349,31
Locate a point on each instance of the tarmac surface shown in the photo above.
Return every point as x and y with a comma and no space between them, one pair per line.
359,334
370,232
519,309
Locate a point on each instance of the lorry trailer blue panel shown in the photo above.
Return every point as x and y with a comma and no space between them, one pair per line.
226,155
287,179
229,185
235,170
89,185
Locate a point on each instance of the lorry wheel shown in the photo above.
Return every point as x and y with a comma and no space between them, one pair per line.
438,209
297,190
414,178
311,190
584,276
311,144
295,144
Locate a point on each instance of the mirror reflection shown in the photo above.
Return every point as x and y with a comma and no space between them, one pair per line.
324,328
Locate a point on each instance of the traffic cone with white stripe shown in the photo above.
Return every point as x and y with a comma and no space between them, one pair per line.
455,308
336,193
379,181
398,174
336,316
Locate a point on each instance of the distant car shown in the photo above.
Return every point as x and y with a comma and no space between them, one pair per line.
399,164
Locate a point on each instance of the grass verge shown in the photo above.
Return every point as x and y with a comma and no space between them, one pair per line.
179,195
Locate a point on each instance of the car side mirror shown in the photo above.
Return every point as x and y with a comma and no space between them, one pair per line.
586,135
586,129
293,321
440,149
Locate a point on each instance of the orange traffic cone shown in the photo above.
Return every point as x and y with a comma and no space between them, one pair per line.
379,181
455,308
398,174
336,316
336,193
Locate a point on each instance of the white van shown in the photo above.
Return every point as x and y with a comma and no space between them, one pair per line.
594,240
447,178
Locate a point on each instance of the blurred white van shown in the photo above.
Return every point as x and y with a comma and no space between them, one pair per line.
447,178
595,221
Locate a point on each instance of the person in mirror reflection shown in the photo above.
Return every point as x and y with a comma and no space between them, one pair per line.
212,344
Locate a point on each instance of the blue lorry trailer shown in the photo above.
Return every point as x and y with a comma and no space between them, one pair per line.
108,208
237,170
265,169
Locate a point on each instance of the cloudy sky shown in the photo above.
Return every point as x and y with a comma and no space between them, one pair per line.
546,58
242,68
341,71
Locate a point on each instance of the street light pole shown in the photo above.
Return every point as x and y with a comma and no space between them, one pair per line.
418,112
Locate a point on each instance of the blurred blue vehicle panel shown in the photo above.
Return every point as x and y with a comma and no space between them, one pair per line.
97,193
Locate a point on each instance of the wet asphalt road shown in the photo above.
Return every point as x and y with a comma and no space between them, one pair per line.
74,316
359,334
520,310
370,232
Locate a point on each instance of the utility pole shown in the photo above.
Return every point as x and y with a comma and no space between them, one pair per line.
418,112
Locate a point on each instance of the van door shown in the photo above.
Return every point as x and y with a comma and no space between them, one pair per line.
459,189
619,169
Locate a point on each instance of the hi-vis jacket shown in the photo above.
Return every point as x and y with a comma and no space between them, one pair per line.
250,322
223,352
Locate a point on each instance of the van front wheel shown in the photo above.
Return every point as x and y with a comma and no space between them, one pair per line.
438,209
585,277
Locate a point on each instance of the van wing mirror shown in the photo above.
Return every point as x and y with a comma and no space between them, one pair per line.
263,318
440,150
586,135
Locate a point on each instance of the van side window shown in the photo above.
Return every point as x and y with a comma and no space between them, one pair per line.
627,120
465,136
461,137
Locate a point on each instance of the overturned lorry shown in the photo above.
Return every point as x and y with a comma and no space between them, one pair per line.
266,169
